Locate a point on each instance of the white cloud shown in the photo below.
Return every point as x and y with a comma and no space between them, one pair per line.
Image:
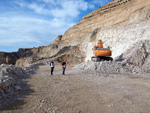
69,9
38,8
91,6
61,9
18,29
49,1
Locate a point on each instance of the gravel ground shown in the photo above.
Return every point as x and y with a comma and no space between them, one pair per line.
81,91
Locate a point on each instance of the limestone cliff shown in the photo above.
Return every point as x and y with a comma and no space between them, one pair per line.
120,24
117,12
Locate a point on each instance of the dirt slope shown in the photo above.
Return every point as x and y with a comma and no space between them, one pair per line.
93,93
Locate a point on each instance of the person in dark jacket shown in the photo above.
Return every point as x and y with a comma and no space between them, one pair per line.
63,67
52,67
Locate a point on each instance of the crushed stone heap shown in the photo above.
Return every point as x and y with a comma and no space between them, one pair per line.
138,55
110,67
11,81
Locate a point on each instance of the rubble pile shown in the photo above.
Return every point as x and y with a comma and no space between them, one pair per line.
138,55
106,66
10,81
110,67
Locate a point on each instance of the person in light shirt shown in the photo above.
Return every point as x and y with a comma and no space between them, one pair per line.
52,67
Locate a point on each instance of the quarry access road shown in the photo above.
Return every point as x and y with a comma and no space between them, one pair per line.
112,93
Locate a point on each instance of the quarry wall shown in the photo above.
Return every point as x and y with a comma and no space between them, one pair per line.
120,24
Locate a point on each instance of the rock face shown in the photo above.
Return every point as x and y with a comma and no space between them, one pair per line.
116,22
120,38
117,12
119,24
8,58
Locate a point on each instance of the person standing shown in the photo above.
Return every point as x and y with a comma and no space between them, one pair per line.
52,67
64,67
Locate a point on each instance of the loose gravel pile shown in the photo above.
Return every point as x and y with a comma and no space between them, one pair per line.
12,80
110,67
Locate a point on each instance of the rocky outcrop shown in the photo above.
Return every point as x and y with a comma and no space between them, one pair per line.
8,58
58,39
119,12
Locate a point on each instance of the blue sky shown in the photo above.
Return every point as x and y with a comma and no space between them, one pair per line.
34,23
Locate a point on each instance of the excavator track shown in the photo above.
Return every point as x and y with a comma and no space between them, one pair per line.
100,58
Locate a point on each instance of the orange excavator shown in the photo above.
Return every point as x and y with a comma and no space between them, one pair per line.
101,53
